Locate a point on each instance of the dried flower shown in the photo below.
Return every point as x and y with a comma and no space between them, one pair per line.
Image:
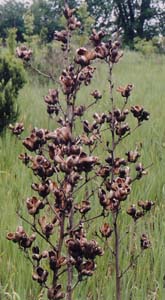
34,205
83,207
61,36
145,242
139,113
24,53
146,205
25,158
96,37
36,139
125,91
96,94
85,56
106,230
87,268
47,228
21,237
132,211
54,293
17,129
133,156
52,97
122,129
40,275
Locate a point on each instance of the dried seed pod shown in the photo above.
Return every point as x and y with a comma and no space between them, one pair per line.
83,207
102,50
73,23
85,56
133,156
47,228
79,110
115,53
24,53
52,97
125,91
54,293
96,37
34,205
132,211
21,237
140,171
96,94
36,140
106,230
87,268
68,12
17,129
144,242
122,129
40,275
104,171
139,113
25,158
146,205
61,36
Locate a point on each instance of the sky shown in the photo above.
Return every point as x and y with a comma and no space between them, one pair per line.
2,1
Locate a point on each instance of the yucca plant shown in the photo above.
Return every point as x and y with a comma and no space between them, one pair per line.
65,164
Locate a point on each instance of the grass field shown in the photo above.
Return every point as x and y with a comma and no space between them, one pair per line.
146,280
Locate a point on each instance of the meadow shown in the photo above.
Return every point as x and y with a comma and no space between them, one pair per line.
144,281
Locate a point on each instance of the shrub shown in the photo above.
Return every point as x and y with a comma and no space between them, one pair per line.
148,47
12,79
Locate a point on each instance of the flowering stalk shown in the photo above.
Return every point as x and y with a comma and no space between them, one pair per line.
64,165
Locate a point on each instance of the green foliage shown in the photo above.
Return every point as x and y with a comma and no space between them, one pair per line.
12,79
155,45
11,40
143,19
101,11
29,26
87,21
46,16
139,284
11,13
85,18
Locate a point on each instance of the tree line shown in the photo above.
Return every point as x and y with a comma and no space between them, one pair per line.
132,18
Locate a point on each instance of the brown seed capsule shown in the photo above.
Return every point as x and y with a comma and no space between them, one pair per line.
133,156
17,129
125,91
106,230
96,37
145,242
146,205
24,53
40,275
34,205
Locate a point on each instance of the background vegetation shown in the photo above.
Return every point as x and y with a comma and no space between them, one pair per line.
35,25
144,281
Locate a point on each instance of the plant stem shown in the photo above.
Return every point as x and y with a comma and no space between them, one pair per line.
69,266
116,229
117,266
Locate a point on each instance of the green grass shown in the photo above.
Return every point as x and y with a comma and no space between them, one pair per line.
144,281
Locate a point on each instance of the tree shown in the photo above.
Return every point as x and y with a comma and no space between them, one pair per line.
46,16
133,17
11,16
12,79
142,19
29,25
101,11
